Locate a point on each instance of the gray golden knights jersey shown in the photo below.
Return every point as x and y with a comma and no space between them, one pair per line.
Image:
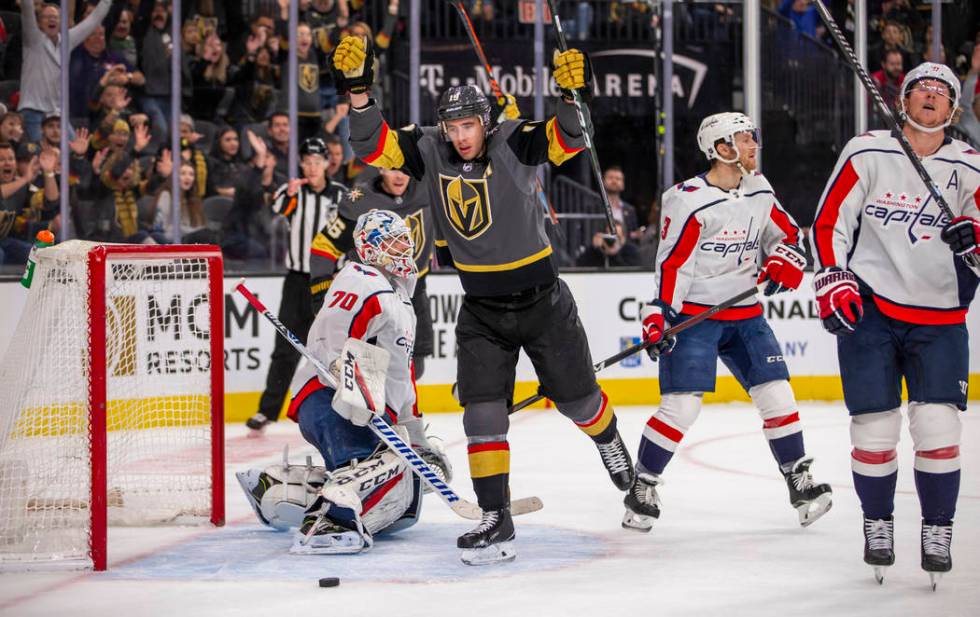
336,239
485,211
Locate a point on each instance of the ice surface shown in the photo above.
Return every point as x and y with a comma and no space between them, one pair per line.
728,542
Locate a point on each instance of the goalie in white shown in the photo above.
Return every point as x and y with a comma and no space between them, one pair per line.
365,333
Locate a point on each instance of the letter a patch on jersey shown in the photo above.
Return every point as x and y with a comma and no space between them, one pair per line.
467,205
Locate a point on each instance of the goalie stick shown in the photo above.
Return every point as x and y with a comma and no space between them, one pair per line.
385,433
971,259
629,351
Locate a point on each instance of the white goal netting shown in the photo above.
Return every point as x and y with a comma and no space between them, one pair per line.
155,364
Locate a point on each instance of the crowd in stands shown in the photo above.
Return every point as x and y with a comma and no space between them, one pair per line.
234,131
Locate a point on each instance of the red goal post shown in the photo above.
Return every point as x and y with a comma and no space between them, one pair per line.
111,400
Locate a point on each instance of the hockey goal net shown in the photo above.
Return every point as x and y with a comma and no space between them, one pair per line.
111,400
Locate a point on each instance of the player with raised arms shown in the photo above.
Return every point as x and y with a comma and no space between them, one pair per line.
481,178
364,488
891,284
718,229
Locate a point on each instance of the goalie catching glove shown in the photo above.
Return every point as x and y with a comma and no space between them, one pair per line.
361,385
783,269
573,71
353,65
654,329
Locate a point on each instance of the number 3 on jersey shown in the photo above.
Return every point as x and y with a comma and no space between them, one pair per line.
344,300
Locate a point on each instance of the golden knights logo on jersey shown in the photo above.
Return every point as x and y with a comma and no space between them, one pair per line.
309,77
467,205
416,227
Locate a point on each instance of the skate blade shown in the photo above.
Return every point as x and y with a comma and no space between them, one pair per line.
880,573
934,578
637,522
255,433
811,511
495,553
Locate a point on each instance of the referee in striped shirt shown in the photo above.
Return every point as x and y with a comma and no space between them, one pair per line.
307,203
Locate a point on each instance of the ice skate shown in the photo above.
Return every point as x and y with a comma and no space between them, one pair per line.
257,424
936,558
319,535
810,500
642,503
492,541
617,461
879,545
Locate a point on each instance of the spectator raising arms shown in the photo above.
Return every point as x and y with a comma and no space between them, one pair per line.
41,76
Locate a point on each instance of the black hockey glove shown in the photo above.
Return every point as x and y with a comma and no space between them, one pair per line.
962,235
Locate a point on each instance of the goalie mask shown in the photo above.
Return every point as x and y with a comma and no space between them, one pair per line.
930,71
724,127
463,102
382,239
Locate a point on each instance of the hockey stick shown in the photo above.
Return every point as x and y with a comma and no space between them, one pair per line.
497,90
379,427
580,110
629,351
971,259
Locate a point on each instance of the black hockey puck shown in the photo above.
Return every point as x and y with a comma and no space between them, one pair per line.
330,581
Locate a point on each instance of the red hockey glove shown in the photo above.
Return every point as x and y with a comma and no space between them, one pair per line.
837,296
783,269
654,327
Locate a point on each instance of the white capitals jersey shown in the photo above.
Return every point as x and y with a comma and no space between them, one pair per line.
712,243
362,303
877,220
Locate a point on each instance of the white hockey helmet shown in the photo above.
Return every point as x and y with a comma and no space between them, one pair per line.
382,239
725,126
938,72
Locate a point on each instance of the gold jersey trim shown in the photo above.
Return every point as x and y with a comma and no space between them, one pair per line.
513,265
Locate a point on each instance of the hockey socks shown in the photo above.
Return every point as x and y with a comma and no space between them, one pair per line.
937,480
490,471
599,416
658,444
785,436
875,474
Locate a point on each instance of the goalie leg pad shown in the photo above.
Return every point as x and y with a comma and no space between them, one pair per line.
280,495
338,441
378,490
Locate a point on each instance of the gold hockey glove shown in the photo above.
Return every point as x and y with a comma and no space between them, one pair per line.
353,64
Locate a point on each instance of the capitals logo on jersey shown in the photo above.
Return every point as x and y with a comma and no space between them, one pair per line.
735,242
467,205
897,208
